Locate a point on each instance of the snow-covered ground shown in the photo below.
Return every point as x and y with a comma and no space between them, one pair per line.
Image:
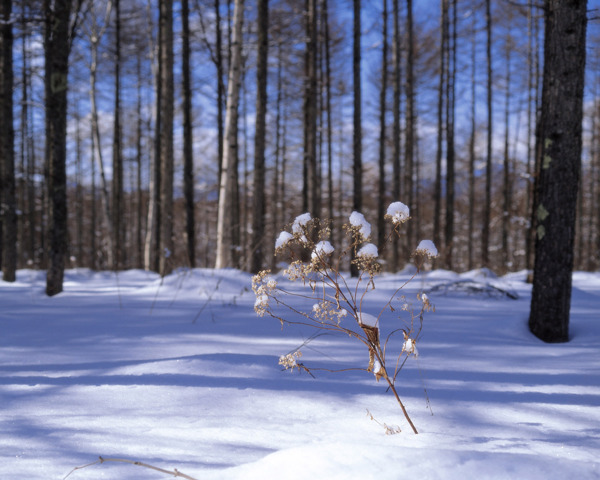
181,373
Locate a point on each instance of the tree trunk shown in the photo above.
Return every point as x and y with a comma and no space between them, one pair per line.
450,153
382,130
437,214
310,190
357,170
228,178
409,146
8,204
117,174
506,185
560,138
166,138
327,50
472,139
396,185
487,209
56,52
258,223
188,140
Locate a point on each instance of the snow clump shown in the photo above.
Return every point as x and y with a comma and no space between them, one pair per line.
398,212
426,247
358,220
368,251
283,239
322,249
301,221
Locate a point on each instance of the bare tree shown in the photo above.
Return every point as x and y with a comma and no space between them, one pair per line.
188,140
258,219
487,209
228,178
117,173
57,45
8,203
357,169
165,132
382,130
560,140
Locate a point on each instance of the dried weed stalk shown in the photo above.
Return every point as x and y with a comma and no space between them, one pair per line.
339,300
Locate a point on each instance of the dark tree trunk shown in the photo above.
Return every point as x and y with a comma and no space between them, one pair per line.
258,218
327,50
560,138
56,51
409,146
8,205
382,110
437,201
357,121
166,138
487,209
188,140
117,178
396,184
450,153
310,191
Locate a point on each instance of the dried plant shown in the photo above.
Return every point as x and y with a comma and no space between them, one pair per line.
338,300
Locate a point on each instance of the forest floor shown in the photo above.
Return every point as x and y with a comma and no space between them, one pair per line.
180,373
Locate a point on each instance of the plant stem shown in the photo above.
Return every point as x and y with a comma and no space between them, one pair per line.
402,406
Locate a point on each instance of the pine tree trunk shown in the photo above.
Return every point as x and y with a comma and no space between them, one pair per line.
560,138
357,169
117,175
258,223
228,178
382,130
396,185
8,205
437,200
166,139
310,190
56,50
188,156
487,209
409,147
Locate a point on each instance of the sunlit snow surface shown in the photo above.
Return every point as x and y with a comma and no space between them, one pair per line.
180,373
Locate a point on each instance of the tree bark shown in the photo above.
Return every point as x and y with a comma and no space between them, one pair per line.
117,160
258,218
8,201
310,180
357,169
396,164
188,140
166,139
56,53
228,177
382,130
487,209
560,140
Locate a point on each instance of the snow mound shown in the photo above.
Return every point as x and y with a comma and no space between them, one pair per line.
474,288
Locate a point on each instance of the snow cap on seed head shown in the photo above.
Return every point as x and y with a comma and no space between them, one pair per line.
358,221
427,248
398,212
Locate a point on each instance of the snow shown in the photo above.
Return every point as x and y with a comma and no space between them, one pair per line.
322,249
426,247
368,250
180,373
283,239
301,221
358,220
398,212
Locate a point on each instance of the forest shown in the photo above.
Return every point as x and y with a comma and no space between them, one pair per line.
161,134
